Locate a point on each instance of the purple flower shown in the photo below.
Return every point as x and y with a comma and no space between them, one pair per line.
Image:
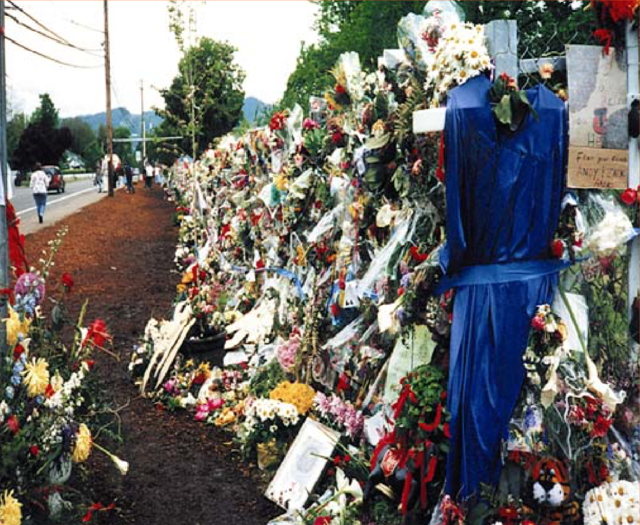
30,284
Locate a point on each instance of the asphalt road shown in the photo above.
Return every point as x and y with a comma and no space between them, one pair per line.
23,199
77,195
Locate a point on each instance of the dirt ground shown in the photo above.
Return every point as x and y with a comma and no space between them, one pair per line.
119,251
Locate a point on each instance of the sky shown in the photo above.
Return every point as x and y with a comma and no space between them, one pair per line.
267,34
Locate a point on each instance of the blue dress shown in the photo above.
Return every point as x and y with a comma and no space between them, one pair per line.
503,204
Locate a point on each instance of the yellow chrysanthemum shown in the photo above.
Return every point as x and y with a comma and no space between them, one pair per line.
10,509
83,444
36,376
15,327
299,395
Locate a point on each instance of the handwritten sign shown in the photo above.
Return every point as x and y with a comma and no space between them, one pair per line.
597,168
598,98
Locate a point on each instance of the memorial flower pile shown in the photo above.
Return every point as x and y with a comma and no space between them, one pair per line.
309,259
49,403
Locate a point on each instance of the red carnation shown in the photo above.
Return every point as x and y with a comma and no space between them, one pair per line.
67,282
537,323
34,451
13,424
629,196
17,352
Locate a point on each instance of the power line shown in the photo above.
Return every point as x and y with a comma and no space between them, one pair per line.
71,21
47,29
48,57
54,39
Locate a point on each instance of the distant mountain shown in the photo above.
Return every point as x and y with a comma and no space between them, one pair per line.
252,108
123,117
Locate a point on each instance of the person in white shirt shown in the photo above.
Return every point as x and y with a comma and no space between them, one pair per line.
148,175
39,186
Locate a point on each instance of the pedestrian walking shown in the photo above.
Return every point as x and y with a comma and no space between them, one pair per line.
128,174
148,175
39,186
157,173
97,180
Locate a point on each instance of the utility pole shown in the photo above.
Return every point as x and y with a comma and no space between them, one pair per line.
143,131
107,67
4,235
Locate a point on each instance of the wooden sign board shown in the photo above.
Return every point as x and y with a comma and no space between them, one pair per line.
597,97
597,168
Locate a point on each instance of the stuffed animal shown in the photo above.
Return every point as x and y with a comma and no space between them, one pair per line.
551,495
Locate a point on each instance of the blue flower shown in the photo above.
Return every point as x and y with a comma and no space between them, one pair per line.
39,400
9,392
16,380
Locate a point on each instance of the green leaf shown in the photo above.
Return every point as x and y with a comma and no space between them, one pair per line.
378,142
502,110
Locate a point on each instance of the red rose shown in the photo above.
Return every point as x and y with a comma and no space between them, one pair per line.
13,424
557,248
340,90
629,196
537,323
34,451
347,458
336,137
400,291
322,520
67,282
336,460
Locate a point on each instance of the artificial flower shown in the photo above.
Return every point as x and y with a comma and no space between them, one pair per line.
36,377
82,450
10,509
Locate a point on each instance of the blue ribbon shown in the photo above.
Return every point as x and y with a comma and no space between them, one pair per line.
501,273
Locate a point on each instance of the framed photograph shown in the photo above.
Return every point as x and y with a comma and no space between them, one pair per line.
302,466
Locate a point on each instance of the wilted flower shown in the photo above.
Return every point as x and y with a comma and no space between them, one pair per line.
82,450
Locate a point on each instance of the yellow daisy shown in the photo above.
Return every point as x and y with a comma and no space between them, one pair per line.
10,509
83,444
36,376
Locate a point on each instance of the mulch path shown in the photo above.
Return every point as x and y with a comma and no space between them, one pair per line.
120,254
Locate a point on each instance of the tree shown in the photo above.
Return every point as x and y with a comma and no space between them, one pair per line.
205,99
42,141
84,142
123,149
45,115
367,27
15,127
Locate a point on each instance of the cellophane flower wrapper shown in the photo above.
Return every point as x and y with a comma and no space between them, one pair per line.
608,227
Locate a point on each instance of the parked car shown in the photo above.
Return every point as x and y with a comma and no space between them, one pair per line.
57,181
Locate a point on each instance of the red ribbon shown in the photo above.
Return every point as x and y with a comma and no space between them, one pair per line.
440,169
435,423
